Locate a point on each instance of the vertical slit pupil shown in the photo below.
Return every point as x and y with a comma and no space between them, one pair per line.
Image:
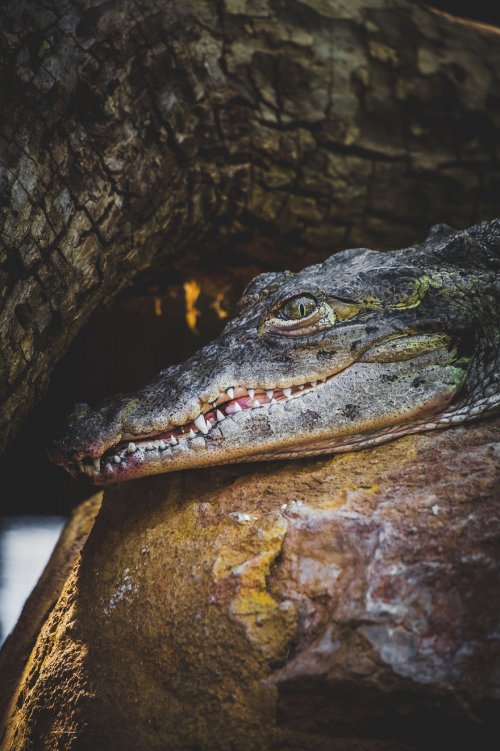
302,309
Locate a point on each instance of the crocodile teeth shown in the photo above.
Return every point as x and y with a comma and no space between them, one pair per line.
201,424
198,443
80,466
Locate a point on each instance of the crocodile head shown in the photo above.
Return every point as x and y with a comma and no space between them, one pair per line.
346,354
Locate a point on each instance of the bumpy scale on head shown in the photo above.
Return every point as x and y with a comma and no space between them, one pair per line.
346,354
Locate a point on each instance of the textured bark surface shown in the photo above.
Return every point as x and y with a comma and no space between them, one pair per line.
340,604
137,130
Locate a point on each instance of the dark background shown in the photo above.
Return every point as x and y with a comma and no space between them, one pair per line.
118,351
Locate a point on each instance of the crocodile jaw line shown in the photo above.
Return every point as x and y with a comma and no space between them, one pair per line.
221,433
132,455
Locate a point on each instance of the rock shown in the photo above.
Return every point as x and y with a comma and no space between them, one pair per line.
348,603
19,644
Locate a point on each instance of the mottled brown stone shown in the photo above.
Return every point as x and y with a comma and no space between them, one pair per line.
19,644
344,603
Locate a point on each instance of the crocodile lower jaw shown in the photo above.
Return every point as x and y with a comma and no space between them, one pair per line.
190,435
127,458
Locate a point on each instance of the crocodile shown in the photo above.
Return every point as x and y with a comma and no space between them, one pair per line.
360,349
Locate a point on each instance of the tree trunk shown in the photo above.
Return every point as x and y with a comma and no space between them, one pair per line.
138,130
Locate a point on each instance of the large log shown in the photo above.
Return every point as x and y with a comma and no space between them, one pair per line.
136,130
341,604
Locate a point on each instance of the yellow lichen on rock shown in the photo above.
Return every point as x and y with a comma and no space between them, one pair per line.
268,623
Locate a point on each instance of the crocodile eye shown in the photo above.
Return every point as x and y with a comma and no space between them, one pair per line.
298,307
299,316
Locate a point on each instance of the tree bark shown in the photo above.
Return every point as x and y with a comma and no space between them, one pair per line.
141,130
340,604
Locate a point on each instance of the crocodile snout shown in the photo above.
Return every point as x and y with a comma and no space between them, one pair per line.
87,433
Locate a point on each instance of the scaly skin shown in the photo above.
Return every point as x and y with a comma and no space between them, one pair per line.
346,354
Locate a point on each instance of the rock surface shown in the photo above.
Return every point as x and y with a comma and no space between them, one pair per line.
19,644
347,603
